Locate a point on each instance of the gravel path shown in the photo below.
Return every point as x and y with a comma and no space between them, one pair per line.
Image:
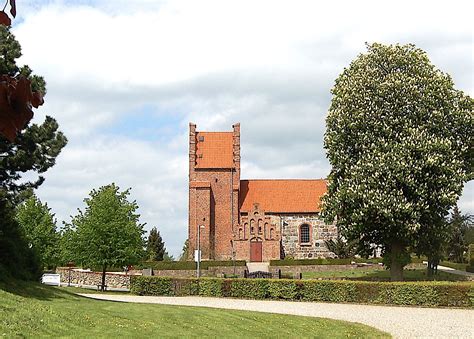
402,322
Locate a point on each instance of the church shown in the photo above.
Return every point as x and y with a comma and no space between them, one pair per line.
253,219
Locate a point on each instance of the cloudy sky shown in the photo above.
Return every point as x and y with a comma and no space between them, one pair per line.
126,77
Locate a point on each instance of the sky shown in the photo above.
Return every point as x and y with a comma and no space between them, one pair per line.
125,78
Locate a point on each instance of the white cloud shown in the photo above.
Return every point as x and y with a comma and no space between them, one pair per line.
268,64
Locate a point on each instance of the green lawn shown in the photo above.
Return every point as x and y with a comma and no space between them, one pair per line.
33,310
380,274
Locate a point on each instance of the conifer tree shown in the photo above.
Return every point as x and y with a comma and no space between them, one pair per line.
155,246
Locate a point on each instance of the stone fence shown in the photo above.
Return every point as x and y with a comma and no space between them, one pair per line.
213,271
297,269
79,277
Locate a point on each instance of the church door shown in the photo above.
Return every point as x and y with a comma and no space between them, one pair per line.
256,251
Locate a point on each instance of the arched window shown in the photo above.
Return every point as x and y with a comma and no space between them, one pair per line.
252,228
241,233
266,231
305,234
271,233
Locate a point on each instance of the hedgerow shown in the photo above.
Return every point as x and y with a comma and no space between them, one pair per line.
187,265
450,294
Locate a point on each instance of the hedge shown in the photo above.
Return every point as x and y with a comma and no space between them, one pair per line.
187,265
321,261
451,294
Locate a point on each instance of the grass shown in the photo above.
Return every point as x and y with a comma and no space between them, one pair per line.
380,274
34,310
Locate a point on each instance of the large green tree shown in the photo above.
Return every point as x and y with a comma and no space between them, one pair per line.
399,140
107,233
155,246
39,227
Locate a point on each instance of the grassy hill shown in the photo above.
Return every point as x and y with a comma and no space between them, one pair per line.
32,310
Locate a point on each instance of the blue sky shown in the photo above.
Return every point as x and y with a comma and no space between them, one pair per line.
126,77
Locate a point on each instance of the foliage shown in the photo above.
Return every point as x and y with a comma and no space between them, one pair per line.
35,148
168,257
458,294
35,310
470,258
17,259
107,233
398,138
187,265
342,248
458,224
321,261
185,251
155,247
39,227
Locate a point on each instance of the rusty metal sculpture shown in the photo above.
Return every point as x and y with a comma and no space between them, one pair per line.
16,96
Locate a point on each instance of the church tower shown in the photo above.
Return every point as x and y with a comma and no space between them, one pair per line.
214,183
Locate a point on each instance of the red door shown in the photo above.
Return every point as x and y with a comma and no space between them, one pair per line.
255,251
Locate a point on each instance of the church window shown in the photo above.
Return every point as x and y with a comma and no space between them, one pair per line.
304,234
201,138
241,234
260,228
271,233
252,229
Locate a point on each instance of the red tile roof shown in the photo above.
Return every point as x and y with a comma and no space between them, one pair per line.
215,151
282,196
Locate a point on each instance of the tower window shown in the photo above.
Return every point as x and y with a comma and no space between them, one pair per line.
201,138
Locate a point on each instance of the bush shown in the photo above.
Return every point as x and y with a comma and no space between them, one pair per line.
322,261
458,294
187,265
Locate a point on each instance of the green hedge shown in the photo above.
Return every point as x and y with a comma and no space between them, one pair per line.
320,261
455,294
186,265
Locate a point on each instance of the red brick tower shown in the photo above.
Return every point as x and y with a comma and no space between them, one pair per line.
214,182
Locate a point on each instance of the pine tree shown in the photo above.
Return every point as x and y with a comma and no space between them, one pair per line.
36,147
155,246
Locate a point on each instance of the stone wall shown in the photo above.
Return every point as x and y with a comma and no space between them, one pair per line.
81,277
319,232
217,271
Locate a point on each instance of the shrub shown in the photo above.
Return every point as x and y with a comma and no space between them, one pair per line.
187,265
149,286
456,294
248,288
210,287
321,261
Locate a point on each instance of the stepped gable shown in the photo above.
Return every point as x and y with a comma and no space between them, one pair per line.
282,195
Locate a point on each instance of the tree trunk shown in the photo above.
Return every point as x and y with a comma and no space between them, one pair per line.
102,287
396,267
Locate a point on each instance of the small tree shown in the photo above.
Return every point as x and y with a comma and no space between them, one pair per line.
399,138
342,248
155,247
458,225
107,233
39,227
185,251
